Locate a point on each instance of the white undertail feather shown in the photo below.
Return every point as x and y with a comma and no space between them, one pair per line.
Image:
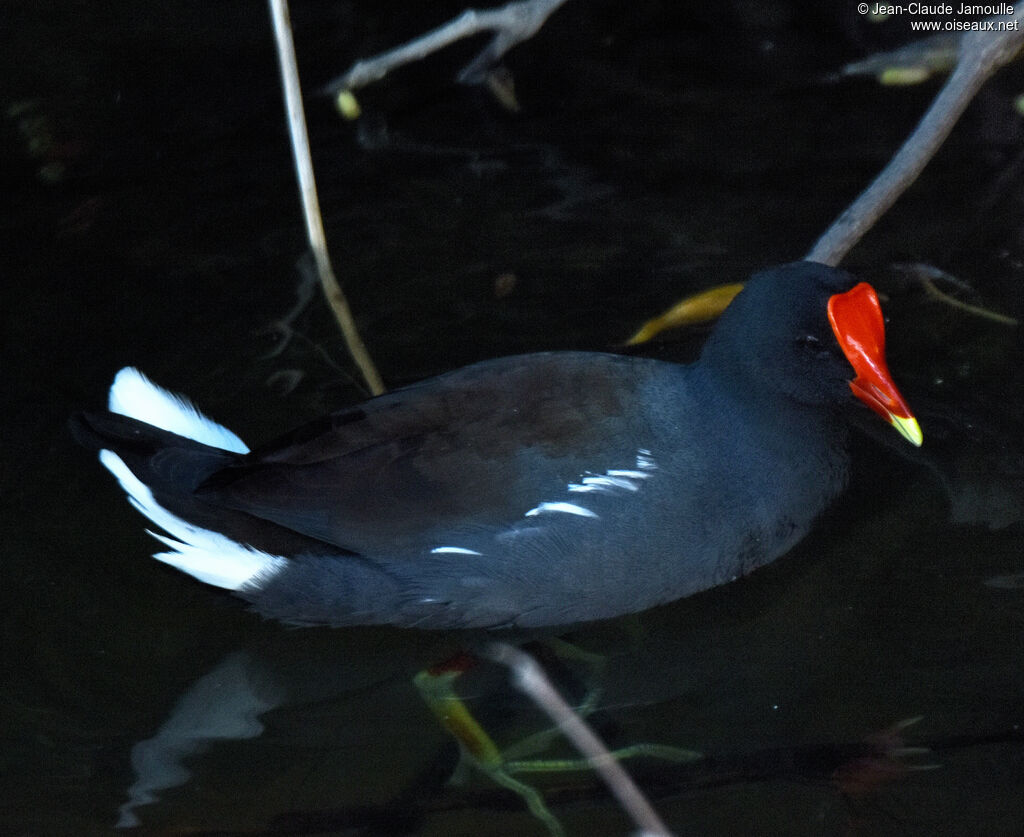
132,394
208,556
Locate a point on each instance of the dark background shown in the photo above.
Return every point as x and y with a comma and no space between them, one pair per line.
151,218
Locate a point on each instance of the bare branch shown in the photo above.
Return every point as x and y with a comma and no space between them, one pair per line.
310,202
981,54
512,24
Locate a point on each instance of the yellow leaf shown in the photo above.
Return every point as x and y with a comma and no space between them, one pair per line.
699,308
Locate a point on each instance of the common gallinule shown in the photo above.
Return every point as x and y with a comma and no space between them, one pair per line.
537,490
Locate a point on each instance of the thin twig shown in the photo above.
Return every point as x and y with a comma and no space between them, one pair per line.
981,54
529,678
310,202
911,63
927,275
512,24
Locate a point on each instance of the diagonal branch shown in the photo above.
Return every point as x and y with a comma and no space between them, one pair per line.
530,678
981,54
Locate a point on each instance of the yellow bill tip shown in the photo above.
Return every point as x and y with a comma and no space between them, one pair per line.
909,429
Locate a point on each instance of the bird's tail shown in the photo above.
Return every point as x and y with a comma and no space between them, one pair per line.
162,449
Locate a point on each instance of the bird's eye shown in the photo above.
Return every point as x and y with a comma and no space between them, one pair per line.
813,345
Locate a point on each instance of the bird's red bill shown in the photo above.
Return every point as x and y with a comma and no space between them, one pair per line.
856,319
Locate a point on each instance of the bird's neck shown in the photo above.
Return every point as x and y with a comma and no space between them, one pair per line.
741,400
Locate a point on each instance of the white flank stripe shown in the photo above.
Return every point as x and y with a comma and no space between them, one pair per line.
208,556
645,461
132,394
453,550
566,508
604,484
633,475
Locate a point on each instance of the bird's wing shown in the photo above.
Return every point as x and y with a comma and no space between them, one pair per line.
478,447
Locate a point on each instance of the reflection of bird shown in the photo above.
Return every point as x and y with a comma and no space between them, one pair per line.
543,489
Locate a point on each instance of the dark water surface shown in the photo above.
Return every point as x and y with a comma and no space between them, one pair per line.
151,219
